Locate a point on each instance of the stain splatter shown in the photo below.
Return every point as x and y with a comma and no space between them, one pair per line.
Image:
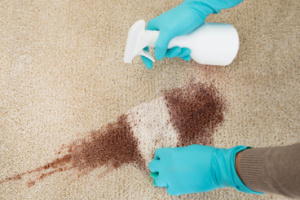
111,146
196,111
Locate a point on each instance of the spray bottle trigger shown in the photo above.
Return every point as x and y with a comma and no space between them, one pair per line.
147,55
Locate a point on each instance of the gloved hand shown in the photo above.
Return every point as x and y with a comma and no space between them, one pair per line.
182,20
196,168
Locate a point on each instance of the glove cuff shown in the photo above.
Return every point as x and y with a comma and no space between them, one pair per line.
203,10
226,174
237,182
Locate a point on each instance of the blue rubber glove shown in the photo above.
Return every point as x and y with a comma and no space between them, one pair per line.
196,168
182,20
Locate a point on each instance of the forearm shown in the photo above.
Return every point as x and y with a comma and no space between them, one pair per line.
271,170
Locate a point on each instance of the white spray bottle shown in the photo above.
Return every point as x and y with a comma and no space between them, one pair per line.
210,44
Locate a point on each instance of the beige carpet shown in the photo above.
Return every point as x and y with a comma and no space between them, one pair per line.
62,76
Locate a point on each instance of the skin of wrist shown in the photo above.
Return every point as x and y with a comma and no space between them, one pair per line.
237,164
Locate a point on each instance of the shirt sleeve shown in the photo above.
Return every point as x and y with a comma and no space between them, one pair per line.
273,170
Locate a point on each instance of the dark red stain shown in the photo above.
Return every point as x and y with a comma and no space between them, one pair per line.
196,110
111,146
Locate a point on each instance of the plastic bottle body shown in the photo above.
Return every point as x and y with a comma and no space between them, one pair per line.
210,44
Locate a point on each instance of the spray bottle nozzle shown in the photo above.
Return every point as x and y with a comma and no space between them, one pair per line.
138,38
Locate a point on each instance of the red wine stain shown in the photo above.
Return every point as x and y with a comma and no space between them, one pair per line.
111,146
196,111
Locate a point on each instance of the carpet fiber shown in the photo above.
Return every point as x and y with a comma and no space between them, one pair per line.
76,122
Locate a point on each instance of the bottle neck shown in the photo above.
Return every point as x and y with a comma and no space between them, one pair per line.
151,37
